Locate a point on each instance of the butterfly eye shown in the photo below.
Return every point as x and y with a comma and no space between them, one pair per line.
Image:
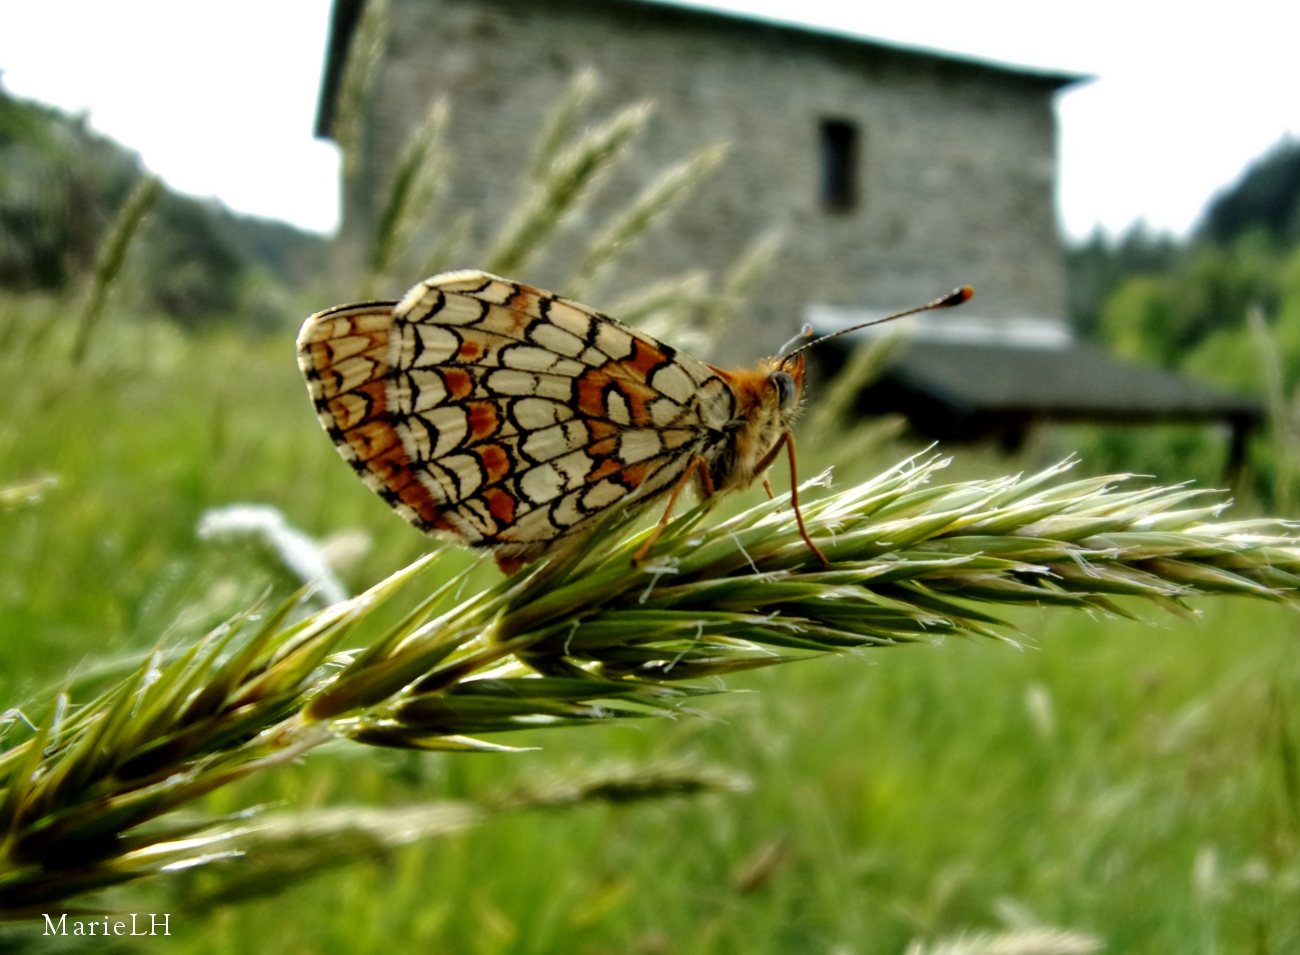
786,390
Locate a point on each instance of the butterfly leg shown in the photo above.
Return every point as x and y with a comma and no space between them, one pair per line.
767,486
697,464
787,441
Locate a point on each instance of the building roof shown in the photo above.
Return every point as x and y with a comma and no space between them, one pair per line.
965,377
347,13
1080,381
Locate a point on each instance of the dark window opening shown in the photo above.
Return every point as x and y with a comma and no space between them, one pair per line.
839,158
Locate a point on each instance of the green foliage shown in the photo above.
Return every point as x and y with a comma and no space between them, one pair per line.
1193,320
1138,319
591,639
1188,452
1156,298
933,791
1162,318
1184,307
1097,267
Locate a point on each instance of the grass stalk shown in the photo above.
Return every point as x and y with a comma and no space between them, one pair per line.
359,74
1041,940
568,180
417,182
662,194
111,257
260,855
680,294
1280,411
560,125
597,639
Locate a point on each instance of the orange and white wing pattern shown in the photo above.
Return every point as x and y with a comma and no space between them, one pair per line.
503,416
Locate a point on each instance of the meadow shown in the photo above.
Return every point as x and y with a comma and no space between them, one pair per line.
1135,781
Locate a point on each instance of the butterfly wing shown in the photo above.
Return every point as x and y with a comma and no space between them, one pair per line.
503,416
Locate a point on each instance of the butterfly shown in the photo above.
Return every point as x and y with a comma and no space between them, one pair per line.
502,416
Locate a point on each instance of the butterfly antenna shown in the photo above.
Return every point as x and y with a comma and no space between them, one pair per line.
805,332
956,297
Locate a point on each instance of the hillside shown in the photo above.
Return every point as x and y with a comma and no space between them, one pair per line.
60,184
1265,198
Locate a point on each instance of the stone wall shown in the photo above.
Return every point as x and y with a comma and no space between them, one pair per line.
956,165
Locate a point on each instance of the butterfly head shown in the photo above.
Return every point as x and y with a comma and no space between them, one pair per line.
768,398
767,401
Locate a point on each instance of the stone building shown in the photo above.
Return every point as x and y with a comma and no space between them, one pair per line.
894,174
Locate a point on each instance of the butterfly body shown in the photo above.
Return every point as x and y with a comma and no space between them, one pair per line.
502,416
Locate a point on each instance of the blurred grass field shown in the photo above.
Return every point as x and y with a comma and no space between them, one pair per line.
1139,781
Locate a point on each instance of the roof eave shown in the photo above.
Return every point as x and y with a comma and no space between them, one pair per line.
344,16
347,13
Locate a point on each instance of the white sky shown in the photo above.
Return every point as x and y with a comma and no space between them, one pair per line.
219,98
